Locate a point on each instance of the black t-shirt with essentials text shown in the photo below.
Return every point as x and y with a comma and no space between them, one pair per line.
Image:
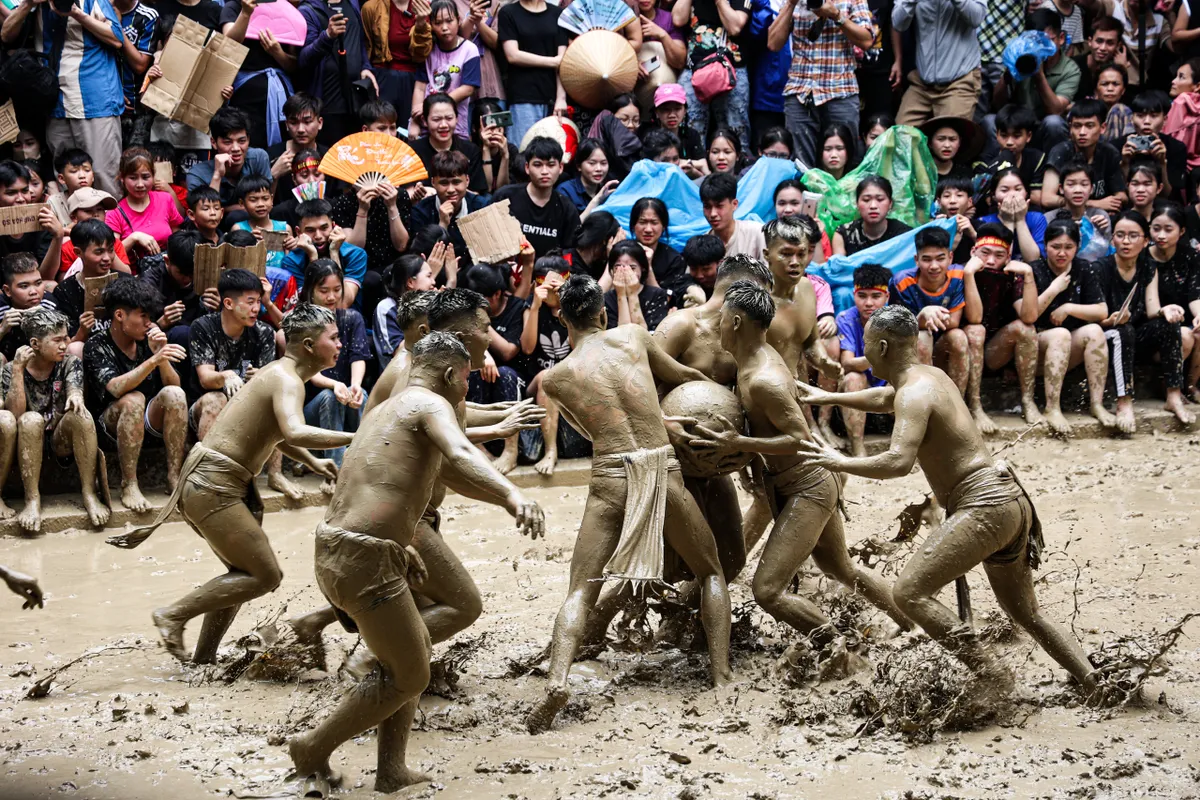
546,227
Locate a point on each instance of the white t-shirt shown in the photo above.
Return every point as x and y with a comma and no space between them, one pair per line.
1072,25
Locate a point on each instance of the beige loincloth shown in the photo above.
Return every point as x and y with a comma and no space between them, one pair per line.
213,481
995,486
812,483
639,554
358,573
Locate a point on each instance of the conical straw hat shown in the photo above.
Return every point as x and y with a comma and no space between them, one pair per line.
598,66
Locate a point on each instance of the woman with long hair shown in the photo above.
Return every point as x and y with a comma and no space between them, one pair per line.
630,301
1175,294
648,222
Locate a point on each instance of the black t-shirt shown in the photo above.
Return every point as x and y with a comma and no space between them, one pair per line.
1177,166
537,34
208,344
1178,279
670,270
1106,166
691,141
509,323
998,291
1084,289
15,339
1032,168
48,397
708,32
257,59
878,58
655,304
103,361
35,242
546,227
154,272
856,239
380,253
1116,288
552,343
1087,81
478,183
332,90
206,12
69,299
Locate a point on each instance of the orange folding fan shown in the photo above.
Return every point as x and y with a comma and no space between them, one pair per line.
371,158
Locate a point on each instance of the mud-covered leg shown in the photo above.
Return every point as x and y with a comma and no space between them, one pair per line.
76,433
1090,340
31,440
212,631
393,773
127,418
976,336
1054,347
456,601
832,558
8,448
796,532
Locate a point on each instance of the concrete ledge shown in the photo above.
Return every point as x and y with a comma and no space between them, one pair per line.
65,512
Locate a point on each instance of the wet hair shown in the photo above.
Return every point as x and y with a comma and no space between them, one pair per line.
790,183
776,134
954,183
894,320
162,151
423,240
452,306
439,347
181,250
1062,227
487,279
743,267
404,269
703,250
129,293
631,248
597,229
377,111
718,188
414,306
252,183
869,276
1087,108
203,194
1135,217
995,230
42,321
658,141
580,299
654,205
89,232
543,148
15,264
227,121
1163,208
300,102
791,229
550,263
234,282
876,181
449,164
931,237
315,274
438,98
1044,18
753,301
11,172
304,321
880,118
813,227
1014,118
132,158
1150,101
72,156
312,209
241,239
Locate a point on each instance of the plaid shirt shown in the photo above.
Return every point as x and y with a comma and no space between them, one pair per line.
1004,22
824,70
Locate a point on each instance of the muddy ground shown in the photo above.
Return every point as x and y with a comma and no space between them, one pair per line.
131,723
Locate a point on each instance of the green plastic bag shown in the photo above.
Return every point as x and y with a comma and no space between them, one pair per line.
901,155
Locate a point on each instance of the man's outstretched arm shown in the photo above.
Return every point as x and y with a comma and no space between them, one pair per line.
288,404
878,400
912,419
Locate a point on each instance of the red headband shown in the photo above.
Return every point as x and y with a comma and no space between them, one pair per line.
305,163
992,241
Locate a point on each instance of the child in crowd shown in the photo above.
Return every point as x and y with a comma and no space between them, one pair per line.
254,195
94,241
452,68
954,202
206,212
89,203
74,169
870,295
23,289
1015,126
317,237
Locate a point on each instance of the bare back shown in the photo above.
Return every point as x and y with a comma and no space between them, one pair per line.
794,323
390,470
606,389
247,429
693,338
391,381
768,393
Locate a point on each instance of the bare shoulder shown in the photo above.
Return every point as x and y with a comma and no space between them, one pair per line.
771,382
680,323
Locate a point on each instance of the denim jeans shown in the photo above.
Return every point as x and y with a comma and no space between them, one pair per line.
524,116
806,121
324,411
732,109
509,386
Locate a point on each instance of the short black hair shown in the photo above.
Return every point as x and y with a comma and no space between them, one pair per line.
376,111
402,270
15,264
580,299
310,209
181,250
203,194
453,305
129,293
718,188
870,276
954,183
707,248
228,120
657,141
252,183
598,228
11,172
72,156
1063,226
753,301
995,230
438,98
300,102
1088,107
931,236
241,239
1150,101
487,279
743,267
1014,118
896,320
551,262
1044,18
238,281
543,148
412,307
89,232
1077,164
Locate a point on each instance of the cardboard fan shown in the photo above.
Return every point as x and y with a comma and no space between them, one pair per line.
283,20
598,66
585,15
370,159
559,129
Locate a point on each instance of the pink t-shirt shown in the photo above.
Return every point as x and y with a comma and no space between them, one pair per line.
159,218
824,296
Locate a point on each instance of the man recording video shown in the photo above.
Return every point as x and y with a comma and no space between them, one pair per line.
821,88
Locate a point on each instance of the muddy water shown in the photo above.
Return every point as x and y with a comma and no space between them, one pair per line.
1120,524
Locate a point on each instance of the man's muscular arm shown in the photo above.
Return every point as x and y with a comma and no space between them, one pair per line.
818,356
665,368
878,400
912,419
287,401
784,414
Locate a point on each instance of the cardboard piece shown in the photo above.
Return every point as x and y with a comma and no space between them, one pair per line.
17,220
58,204
164,171
196,65
492,234
211,260
274,240
93,290
8,123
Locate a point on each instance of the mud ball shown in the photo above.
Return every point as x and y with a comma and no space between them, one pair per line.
707,402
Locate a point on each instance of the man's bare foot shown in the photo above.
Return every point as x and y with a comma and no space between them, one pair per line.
542,717
982,420
1174,404
308,628
834,440
301,751
395,781
285,487
1057,423
547,464
1103,415
1029,411
5,511
97,512
30,518
171,633
1126,423
133,499
505,462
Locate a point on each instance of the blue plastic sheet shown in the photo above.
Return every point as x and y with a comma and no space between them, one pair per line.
756,189
1024,54
894,254
668,183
